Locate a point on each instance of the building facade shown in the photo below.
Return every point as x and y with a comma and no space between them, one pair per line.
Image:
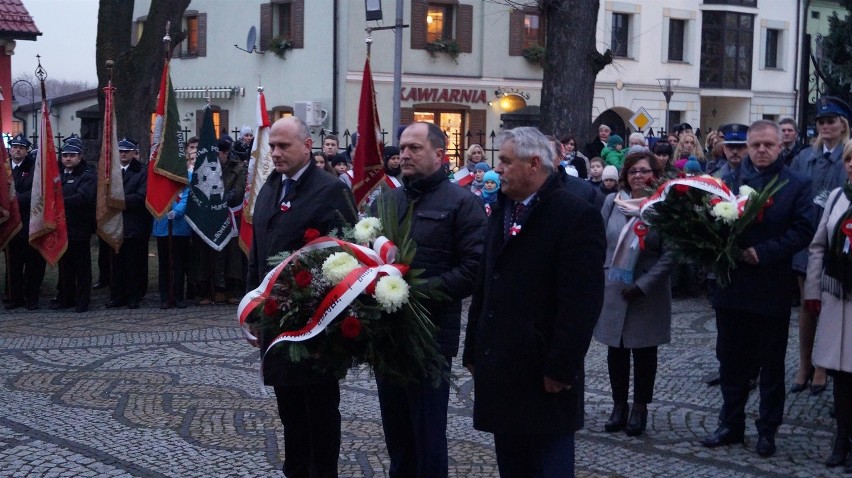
466,63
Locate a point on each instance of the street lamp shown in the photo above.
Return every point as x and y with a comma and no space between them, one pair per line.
667,84
32,101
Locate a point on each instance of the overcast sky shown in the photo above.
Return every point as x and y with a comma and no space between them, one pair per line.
67,43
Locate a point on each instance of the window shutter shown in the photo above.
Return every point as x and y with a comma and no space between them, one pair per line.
406,116
516,32
265,25
297,9
418,24
202,34
476,120
199,118
223,121
464,28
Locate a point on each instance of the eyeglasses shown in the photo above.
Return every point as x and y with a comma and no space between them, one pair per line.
638,172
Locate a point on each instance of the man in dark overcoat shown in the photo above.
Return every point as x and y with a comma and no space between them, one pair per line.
538,295
79,192
130,265
297,196
753,311
26,265
448,227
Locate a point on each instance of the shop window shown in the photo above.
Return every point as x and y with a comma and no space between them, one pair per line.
282,20
441,20
279,112
452,123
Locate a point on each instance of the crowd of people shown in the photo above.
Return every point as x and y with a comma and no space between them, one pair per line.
545,243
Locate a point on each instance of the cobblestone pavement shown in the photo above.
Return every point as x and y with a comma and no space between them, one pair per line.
168,393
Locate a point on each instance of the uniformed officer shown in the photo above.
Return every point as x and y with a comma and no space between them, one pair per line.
130,265
79,190
25,263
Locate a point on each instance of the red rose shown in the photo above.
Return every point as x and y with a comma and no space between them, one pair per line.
303,278
311,234
350,327
270,307
681,188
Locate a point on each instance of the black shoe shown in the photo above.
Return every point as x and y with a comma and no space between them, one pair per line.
115,303
100,285
848,467
32,306
165,305
618,419
59,306
54,301
81,308
766,444
637,422
818,389
14,305
133,304
180,304
840,450
722,436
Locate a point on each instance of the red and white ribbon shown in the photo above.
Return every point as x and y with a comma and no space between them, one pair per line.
704,183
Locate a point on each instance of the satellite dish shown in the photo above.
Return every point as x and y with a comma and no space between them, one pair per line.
250,40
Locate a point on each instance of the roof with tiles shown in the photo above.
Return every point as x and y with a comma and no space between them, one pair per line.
16,22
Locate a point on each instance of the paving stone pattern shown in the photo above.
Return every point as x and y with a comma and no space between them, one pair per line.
176,393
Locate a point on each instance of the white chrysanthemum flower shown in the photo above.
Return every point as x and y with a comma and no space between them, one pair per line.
747,191
367,230
391,293
337,266
725,211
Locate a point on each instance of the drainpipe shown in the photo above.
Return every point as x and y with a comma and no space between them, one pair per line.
334,69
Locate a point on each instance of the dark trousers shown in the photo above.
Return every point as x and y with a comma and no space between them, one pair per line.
130,270
414,419
105,253
644,373
842,399
535,456
745,342
179,260
75,275
26,272
311,421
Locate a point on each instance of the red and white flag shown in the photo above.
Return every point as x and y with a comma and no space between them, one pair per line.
10,215
260,165
48,232
367,164
463,177
110,203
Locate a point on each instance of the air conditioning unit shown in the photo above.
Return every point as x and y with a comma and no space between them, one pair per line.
310,112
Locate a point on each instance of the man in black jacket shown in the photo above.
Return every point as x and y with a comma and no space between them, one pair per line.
130,265
538,294
297,196
79,189
447,224
26,265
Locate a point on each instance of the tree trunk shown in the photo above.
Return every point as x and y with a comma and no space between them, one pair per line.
137,70
571,65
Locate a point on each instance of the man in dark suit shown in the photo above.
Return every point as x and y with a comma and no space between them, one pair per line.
130,265
448,226
79,189
753,311
295,197
544,255
26,265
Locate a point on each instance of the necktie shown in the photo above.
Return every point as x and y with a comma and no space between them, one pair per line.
826,155
286,185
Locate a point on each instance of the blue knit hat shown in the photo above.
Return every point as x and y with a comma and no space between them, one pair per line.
481,167
692,166
491,176
613,140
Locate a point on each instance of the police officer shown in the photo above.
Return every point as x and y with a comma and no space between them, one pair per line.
79,190
25,263
130,265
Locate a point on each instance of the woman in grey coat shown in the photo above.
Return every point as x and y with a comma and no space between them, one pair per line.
636,317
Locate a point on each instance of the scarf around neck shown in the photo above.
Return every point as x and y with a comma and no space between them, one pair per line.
837,278
627,248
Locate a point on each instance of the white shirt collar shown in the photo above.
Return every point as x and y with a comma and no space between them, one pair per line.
299,172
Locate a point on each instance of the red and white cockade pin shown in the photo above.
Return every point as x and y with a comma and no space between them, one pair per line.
515,229
285,206
846,227
641,230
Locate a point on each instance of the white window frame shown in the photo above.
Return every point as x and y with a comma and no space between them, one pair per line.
783,29
633,11
689,19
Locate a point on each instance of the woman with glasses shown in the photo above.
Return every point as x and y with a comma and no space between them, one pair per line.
636,317
823,164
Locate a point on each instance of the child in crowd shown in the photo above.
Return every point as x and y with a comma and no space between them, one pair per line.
596,167
478,173
491,184
692,167
609,180
613,154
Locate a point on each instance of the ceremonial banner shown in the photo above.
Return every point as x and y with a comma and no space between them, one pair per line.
260,165
10,215
367,164
167,174
206,210
110,184
48,233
